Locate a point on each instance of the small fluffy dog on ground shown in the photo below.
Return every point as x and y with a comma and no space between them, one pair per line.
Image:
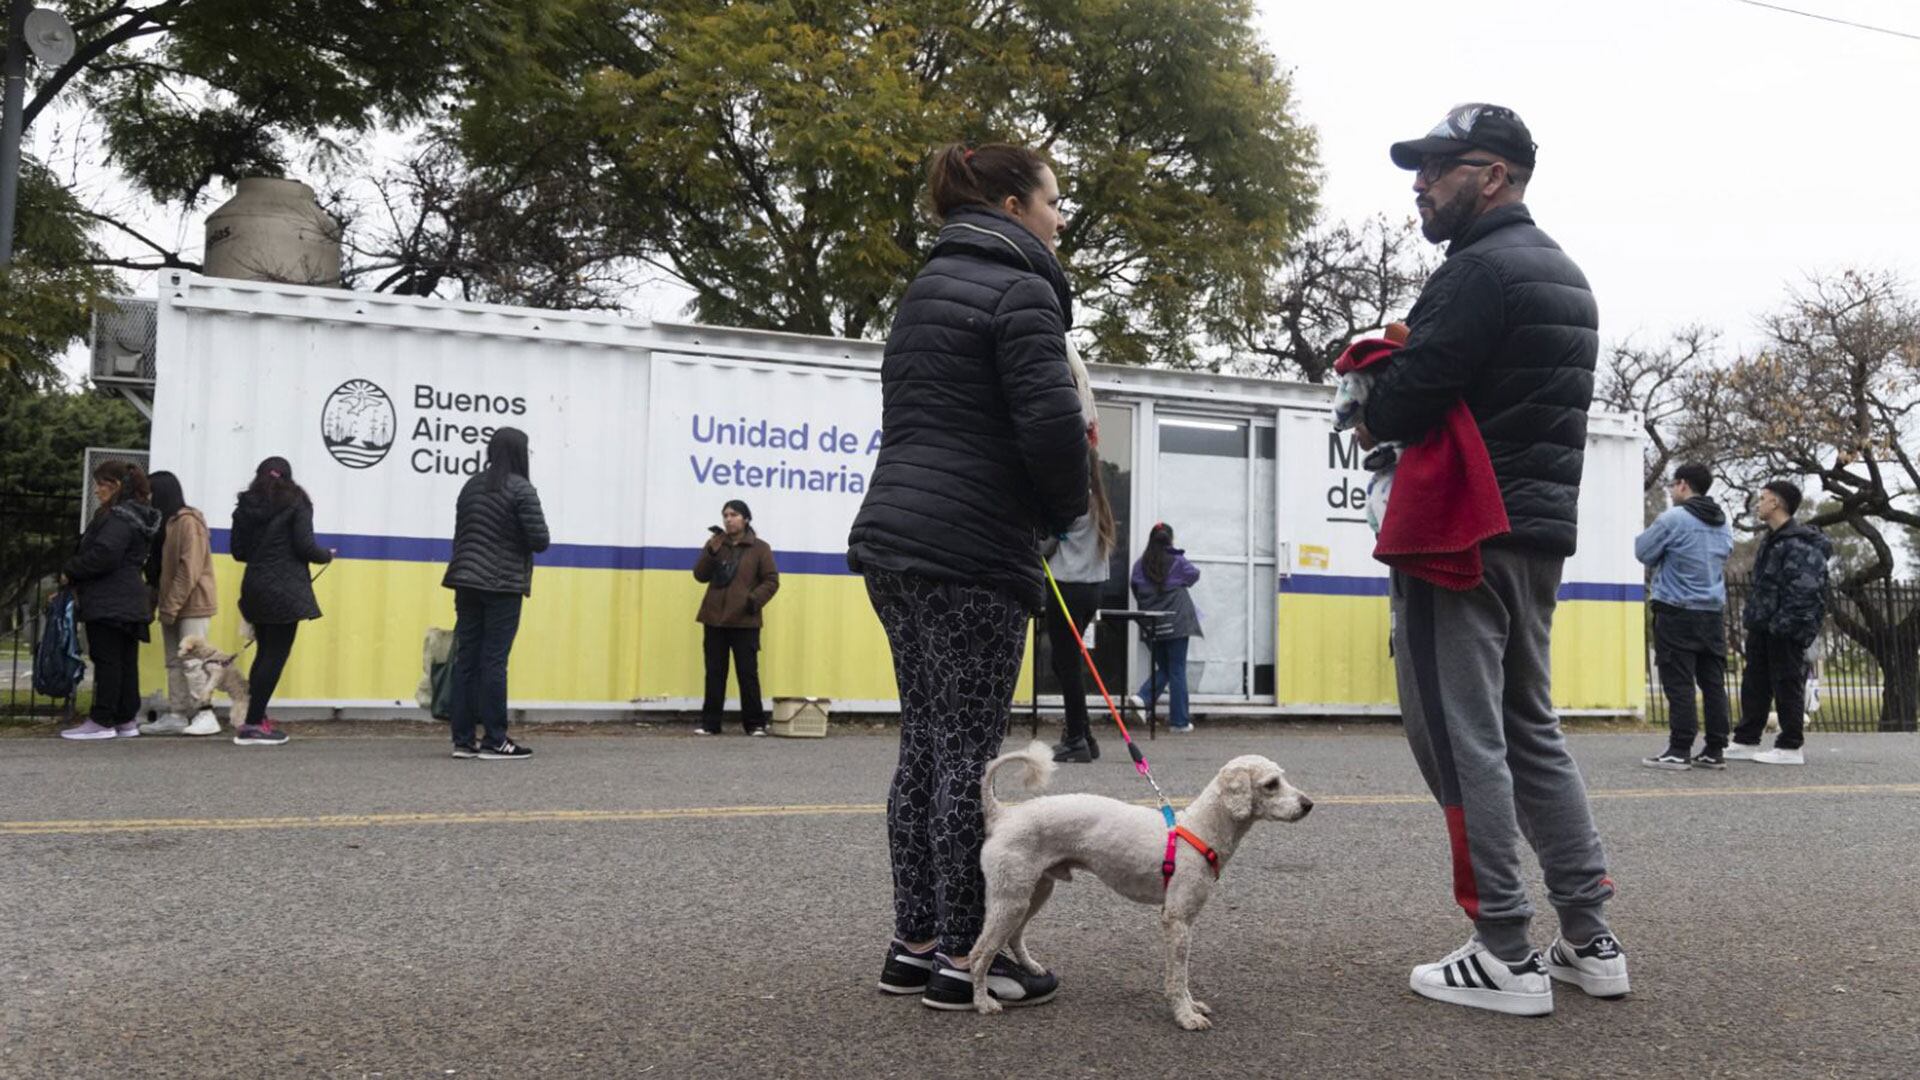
208,670
1032,844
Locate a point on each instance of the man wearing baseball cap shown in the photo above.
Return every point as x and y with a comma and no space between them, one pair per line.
1508,325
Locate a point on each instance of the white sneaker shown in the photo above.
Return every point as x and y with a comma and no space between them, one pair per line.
1472,976
204,723
1599,967
170,724
1739,751
1777,756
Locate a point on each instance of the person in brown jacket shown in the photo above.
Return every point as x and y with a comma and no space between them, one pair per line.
180,570
737,568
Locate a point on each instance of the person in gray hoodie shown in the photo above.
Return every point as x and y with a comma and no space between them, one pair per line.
1686,547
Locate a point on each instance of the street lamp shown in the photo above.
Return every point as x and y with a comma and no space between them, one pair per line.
48,34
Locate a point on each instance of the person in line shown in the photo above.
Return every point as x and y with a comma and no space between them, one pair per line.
738,570
111,597
1080,568
1162,581
1508,325
1786,605
498,527
983,456
273,536
1687,547
180,570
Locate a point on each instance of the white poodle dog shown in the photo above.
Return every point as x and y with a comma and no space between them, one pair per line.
1032,844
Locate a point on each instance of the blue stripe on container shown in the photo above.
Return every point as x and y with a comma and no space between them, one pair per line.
608,557
571,556
1338,585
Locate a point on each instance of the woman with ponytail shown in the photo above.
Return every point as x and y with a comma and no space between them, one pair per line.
983,456
111,597
273,535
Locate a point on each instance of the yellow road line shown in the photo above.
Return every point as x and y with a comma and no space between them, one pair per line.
716,813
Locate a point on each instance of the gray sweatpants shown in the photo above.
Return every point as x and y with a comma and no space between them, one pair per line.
1475,694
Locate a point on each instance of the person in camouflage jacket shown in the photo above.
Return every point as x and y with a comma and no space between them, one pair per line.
1784,611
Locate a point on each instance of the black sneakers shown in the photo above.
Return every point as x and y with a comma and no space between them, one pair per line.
508,750
1007,982
906,971
1675,760
1073,750
466,750
1709,759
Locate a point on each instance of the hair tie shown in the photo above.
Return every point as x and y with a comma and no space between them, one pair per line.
968,156
275,473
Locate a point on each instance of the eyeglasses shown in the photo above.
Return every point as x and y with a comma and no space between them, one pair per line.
1434,168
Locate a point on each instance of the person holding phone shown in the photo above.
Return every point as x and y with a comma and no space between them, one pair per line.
738,570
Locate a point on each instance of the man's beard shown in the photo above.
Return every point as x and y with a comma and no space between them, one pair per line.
1449,221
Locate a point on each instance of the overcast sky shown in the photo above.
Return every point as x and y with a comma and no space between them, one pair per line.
1696,156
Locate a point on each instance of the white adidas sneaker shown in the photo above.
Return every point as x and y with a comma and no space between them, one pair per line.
1739,751
1777,756
1599,967
1472,976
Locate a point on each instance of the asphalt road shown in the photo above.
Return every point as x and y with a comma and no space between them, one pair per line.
651,904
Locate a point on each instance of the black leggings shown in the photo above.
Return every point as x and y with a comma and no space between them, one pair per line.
275,644
956,655
1069,667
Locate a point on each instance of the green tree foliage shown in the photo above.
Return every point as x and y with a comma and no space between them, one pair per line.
46,295
43,442
190,91
187,92
771,153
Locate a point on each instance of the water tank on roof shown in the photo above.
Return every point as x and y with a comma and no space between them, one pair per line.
274,230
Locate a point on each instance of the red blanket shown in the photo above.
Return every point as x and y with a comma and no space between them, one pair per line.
1445,500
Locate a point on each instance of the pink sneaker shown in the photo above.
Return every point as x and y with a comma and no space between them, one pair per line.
88,730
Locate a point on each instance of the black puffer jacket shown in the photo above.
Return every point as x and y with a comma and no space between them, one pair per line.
1509,325
496,533
105,570
277,544
1789,594
984,449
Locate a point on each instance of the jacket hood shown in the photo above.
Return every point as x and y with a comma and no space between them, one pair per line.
1806,534
145,519
985,233
1490,222
1704,508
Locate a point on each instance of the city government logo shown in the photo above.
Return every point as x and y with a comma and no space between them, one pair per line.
357,424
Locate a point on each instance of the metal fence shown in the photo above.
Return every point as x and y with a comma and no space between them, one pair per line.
36,535
1848,688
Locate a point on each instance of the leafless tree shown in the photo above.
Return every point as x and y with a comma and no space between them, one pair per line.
434,227
1337,282
1832,395
1678,388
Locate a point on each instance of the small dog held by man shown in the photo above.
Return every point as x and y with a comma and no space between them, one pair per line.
1032,844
